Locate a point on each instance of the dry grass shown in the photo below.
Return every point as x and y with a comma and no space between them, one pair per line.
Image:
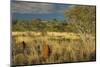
54,47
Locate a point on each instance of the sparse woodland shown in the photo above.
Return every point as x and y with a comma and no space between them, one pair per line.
54,41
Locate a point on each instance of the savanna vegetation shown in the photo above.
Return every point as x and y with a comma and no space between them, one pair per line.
56,41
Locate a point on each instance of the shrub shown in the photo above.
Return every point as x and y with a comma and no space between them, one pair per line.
20,59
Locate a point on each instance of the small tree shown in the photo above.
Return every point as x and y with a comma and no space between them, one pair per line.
82,19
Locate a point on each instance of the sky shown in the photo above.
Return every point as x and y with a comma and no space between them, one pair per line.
38,10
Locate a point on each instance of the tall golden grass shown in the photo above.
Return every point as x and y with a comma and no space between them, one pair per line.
53,47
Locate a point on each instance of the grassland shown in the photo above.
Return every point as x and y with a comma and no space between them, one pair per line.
53,47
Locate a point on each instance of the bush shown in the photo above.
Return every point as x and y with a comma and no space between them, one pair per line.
20,59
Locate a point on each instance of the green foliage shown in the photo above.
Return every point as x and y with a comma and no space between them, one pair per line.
40,26
20,59
82,18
